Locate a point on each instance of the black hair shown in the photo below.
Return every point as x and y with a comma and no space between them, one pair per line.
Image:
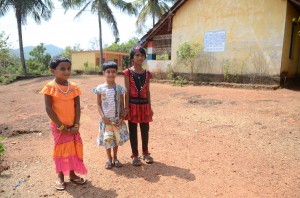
109,64
58,59
135,49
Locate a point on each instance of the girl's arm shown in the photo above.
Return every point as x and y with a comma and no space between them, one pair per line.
121,105
75,127
148,95
121,113
52,115
77,110
99,102
126,78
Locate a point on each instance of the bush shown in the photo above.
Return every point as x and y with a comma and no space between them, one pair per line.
179,81
2,149
7,79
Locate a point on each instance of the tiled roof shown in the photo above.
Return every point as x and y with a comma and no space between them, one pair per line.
164,19
161,21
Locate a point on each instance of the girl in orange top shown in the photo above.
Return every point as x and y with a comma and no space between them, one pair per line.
63,107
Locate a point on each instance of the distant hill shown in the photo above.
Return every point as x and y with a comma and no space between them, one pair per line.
51,49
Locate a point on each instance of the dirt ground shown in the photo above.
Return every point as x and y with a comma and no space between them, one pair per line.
206,142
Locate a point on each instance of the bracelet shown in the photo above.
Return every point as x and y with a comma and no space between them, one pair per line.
61,127
76,125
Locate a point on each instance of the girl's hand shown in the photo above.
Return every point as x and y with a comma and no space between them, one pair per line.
65,130
74,129
125,112
119,123
106,120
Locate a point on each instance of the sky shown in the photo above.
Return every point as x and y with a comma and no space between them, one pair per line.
63,30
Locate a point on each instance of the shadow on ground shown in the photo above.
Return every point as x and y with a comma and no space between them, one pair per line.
88,190
153,172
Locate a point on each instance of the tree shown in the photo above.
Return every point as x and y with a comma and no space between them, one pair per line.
39,9
9,63
124,47
102,8
187,54
40,61
153,8
4,50
94,44
68,51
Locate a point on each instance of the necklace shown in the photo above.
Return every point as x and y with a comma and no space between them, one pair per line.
137,69
64,92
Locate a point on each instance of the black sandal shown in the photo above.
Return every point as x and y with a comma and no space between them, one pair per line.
108,165
148,159
136,161
117,163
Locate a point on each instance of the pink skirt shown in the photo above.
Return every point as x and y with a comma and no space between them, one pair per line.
68,152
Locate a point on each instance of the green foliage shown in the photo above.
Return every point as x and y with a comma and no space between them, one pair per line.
90,68
103,9
147,8
232,70
7,79
37,9
4,48
187,54
124,47
40,61
9,65
297,22
2,149
187,51
179,81
226,71
68,51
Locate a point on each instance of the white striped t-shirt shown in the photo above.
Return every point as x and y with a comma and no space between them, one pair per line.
108,102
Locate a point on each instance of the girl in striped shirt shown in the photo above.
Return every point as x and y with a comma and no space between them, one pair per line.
110,102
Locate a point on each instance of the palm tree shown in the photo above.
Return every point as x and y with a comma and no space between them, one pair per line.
102,8
153,8
39,9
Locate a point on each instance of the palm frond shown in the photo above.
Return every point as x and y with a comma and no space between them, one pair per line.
150,8
4,7
125,7
82,10
107,15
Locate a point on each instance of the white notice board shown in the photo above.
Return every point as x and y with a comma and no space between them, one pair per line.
214,41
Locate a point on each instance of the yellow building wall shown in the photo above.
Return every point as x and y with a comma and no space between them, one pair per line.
254,33
289,65
80,59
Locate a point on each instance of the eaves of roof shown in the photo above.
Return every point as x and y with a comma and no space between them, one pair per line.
161,21
173,10
295,3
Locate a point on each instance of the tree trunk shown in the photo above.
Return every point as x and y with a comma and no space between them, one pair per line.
153,19
100,38
18,16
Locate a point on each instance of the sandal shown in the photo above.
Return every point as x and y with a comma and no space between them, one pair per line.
117,163
78,180
60,185
108,165
136,161
148,159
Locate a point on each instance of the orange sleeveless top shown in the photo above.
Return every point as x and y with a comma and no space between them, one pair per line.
62,104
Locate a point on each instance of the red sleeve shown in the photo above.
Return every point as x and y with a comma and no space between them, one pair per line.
126,72
150,74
